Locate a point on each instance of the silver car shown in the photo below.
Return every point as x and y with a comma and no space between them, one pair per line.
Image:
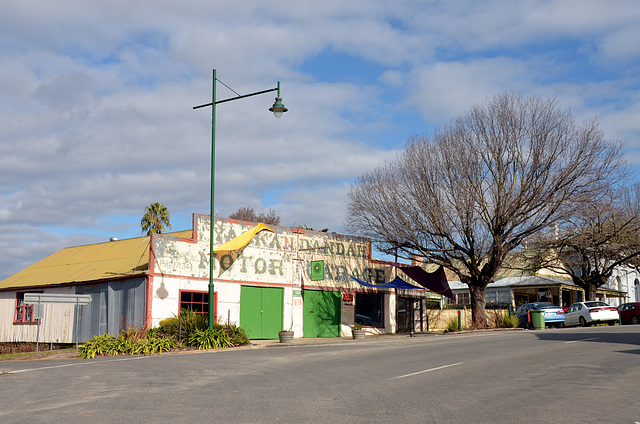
592,312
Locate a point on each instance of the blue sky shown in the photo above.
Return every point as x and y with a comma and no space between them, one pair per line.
96,118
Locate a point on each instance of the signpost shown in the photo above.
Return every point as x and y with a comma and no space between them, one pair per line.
40,299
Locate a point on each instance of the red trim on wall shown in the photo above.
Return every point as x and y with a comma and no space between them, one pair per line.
205,307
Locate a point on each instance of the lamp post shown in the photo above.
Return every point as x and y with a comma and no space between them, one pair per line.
278,109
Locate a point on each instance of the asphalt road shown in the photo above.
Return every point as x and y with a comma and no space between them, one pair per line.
578,375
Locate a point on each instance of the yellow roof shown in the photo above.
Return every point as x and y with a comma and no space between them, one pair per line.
93,262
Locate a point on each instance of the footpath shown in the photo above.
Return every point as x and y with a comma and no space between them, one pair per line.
298,341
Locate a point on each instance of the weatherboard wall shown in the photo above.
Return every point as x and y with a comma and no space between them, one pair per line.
56,325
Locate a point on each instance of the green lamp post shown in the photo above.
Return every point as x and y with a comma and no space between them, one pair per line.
278,109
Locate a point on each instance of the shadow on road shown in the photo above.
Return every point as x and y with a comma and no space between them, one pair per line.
594,335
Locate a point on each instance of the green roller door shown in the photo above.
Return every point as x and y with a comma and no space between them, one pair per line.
261,311
321,313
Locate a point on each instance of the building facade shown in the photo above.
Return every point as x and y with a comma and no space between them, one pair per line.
283,279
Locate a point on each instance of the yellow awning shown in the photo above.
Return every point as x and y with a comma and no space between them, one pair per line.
241,241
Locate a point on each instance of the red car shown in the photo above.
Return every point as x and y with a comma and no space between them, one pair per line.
629,313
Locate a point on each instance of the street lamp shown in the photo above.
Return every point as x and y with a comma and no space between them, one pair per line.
278,109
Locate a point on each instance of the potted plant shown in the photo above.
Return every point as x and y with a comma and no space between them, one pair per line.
286,336
357,331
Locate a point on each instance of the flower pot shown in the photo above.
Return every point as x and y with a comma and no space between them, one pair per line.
358,334
286,336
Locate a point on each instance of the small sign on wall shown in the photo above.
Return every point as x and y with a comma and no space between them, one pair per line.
317,270
347,299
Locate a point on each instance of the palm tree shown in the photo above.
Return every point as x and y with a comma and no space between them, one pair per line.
156,216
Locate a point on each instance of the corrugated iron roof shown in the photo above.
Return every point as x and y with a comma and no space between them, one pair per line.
92,262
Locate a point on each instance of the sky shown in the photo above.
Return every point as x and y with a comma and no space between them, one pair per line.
97,118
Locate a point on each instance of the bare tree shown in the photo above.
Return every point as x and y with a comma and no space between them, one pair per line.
588,245
468,195
247,213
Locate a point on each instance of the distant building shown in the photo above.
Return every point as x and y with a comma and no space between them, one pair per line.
520,289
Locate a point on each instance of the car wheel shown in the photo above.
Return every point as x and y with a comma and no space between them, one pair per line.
583,322
634,320
611,323
561,325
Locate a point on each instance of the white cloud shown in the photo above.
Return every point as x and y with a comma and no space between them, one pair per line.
96,98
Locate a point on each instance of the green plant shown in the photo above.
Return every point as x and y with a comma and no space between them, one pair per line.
130,342
209,339
451,325
357,326
508,321
102,344
237,335
183,325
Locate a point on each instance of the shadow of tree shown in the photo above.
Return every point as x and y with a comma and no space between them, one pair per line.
623,336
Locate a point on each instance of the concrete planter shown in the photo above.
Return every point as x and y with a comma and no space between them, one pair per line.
286,336
358,334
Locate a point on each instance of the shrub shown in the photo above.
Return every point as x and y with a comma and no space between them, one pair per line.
451,325
509,321
238,335
130,342
504,320
184,324
209,339
102,344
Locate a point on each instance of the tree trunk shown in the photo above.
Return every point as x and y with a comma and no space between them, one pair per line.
478,302
590,292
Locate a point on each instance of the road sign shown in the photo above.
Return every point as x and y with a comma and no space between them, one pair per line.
39,299
76,299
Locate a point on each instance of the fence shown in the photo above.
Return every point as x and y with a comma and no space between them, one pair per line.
438,318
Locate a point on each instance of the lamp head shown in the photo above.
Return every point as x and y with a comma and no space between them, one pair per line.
278,108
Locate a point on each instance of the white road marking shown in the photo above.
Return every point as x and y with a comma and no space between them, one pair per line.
583,340
423,371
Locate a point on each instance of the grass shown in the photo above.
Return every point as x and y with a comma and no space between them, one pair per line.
40,355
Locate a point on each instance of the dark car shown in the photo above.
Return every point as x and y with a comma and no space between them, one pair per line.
629,313
553,315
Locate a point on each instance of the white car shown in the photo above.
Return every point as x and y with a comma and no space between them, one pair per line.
592,312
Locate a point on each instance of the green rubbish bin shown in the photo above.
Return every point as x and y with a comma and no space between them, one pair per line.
537,320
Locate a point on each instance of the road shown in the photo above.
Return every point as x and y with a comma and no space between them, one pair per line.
564,375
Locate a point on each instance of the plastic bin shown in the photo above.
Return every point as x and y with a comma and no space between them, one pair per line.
537,319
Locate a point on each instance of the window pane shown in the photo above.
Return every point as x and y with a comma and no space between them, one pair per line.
369,309
195,301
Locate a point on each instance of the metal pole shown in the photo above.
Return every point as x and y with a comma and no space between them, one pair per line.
212,209
38,331
75,327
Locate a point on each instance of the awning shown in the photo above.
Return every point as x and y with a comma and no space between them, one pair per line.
233,248
435,281
241,241
396,283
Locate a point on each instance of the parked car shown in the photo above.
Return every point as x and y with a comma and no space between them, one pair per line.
592,312
553,315
629,313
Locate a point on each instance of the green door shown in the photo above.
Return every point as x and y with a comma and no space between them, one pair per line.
321,313
261,310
